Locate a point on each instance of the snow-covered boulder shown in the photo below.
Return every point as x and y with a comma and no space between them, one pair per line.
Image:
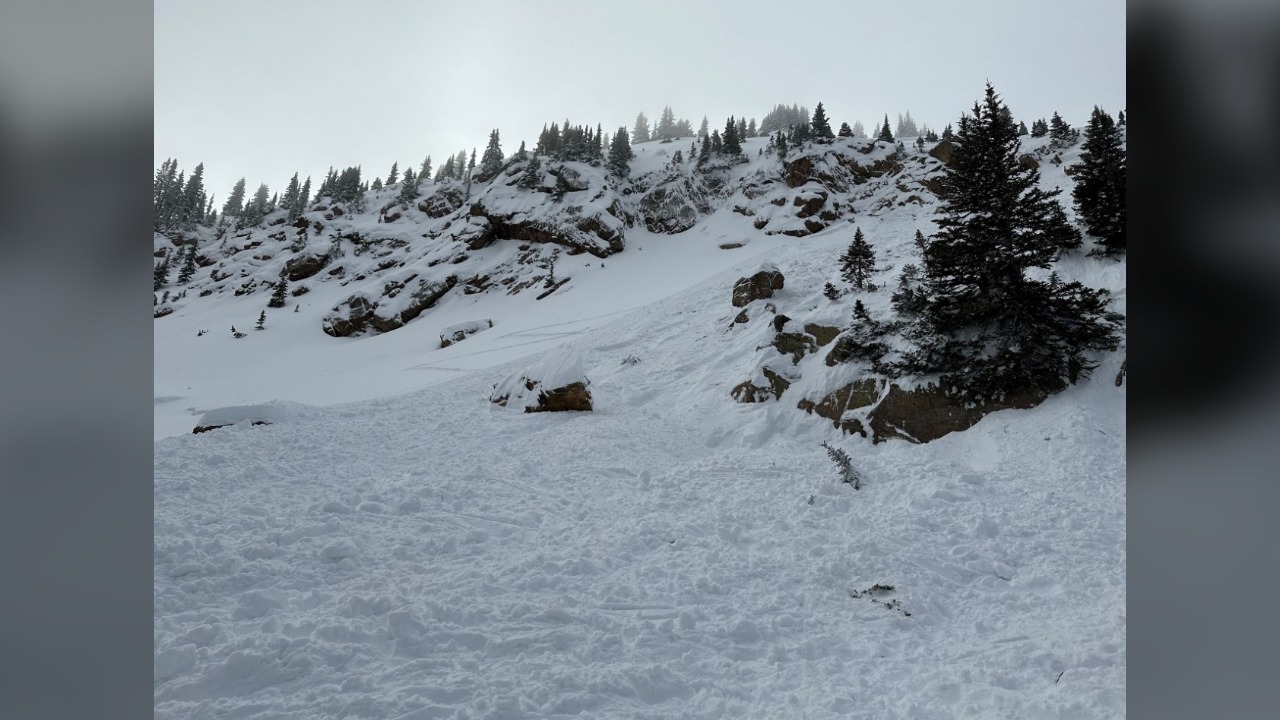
265,414
556,383
459,332
757,287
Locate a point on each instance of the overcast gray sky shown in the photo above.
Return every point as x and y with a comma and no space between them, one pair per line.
263,89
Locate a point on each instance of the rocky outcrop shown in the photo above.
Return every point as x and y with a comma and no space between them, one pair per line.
757,287
445,198
850,397
673,205
928,413
945,152
304,266
349,317
457,333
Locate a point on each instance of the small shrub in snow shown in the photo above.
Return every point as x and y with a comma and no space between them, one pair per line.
847,473
630,360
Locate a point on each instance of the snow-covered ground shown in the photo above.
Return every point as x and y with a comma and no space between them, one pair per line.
394,546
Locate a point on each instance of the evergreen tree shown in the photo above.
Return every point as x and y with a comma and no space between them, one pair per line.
522,154
906,126
460,165
831,292
532,175
301,205
251,215
394,176
235,203
731,146
277,294
377,184
751,129
704,130
291,192
491,162
717,146
160,274
446,170
666,128
704,151
780,143
845,130
858,130
408,187
262,320
821,127
425,172
1061,134
858,261
1121,120
989,326
640,133
192,207
188,266
931,136
1022,128
885,135
1039,128
677,158
1099,194
620,154
947,134
919,143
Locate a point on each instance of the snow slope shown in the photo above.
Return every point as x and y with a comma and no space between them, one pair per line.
394,546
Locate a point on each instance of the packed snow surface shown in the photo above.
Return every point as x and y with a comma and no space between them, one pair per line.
393,545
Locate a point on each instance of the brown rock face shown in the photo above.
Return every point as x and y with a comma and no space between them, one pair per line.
1027,161
822,333
747,392
359,312
303,267
944,151
574,396
810,206
757,287
852,396
927,414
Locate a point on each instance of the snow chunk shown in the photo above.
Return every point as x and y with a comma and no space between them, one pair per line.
557,382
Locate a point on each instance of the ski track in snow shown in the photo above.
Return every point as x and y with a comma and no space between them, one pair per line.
671,555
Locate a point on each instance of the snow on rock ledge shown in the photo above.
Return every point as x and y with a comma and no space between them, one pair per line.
556,383
266,414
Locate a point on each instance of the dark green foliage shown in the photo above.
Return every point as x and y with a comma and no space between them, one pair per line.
377,184
821,126
947,134
1121,121
491,161
408,187
532,175
919,143
620,153
188,266
277,294
986,324
1022,128
704,130
831,292
424,173
717,146
780,143
704,151
931,136
1039,128
858,261
731,146
845,130
235,203
160,274
908,300
1061,134
1099,193
262,320
394,176
677,158
885,134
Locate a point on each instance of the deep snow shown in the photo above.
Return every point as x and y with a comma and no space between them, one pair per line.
394,546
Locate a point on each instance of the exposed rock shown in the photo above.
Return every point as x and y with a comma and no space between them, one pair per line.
810,203
935,186
1120,376
742,317
797,345
731,246
391,217
302,223
425,295
945,152
850,397
304,266
822,333
673,206
161,311
556,384
1028,161
354,319
573,396
928,413
748,392
777,382
757,287
445,199
207,428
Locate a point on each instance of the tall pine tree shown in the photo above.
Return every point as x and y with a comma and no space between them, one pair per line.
821,126
858,261
1099,193
885,134
990,324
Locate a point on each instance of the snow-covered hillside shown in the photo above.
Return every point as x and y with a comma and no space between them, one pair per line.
392,545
